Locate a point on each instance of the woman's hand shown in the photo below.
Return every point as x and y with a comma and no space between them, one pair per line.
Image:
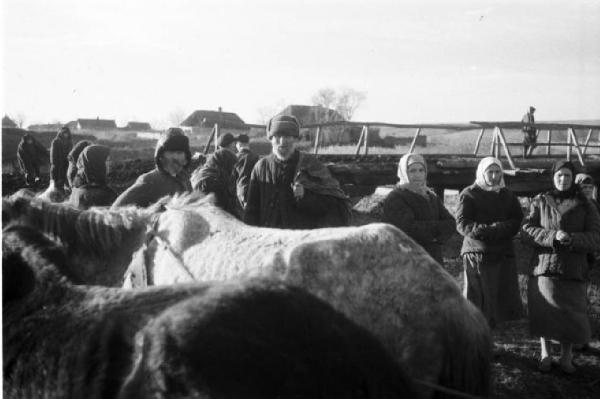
563,237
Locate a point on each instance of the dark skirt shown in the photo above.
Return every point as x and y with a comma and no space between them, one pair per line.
491,284
558,309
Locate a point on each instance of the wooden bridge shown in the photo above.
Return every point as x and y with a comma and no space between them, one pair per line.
360,173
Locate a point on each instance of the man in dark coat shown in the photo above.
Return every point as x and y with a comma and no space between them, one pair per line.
529,132
215,176
290,189
59,152
246,160
30,154
170,176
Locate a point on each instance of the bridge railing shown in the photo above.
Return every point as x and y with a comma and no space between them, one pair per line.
498,137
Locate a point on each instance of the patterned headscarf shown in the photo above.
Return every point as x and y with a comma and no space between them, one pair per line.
484,164
403,164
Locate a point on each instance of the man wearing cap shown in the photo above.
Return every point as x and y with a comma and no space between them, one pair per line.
291,189
215,176
246,160
529,132
169,177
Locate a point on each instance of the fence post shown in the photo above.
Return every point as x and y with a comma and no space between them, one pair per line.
210,138
479,136
366,127
414,141
360,139
549,140
217,135
568,145
576,144
317,139
587,140
502,140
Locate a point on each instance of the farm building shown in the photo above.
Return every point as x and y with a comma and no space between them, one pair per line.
45,127
99,128
7,122
138,127
330,135
200,123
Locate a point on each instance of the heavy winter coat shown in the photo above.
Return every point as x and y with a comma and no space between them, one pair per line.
425,220
59,152
242,170
271,202
545,219
215,176
30,157
488,220
153,185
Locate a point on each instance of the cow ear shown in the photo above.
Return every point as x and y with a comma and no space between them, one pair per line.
18,280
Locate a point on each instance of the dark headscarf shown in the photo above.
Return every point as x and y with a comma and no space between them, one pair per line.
573,191
91,164
76,150
174,139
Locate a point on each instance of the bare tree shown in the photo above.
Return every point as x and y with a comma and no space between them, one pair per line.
177,116
20,119
265,113
325,97
348,102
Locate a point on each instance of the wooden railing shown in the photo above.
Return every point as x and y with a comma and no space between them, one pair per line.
498,138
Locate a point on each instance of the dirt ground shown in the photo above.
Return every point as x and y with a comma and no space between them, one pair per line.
515,351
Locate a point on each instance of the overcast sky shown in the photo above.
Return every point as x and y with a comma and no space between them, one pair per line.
417,61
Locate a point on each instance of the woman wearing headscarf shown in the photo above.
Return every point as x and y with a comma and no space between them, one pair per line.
562,227
488,217
90,182
72,158
415,209
586,184
59,151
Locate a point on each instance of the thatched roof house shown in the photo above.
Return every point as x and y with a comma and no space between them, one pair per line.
7,122
311,114
206,118
95,124
138,126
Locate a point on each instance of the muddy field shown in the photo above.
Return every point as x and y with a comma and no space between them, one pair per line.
515,352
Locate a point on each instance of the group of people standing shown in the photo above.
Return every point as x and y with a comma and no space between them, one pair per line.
562,228
77,173
291,189
286,189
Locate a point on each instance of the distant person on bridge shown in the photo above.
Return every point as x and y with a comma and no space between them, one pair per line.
529,132
242,170
215,176
293,190
30,156
89,185
59,153
415,208
72,157
169,177
562,227
488,217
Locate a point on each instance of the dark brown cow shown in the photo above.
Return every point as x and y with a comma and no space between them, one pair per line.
247,340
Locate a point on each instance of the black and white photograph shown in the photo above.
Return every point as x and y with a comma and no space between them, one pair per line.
300,199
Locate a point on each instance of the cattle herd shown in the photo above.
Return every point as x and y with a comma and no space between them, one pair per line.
358,312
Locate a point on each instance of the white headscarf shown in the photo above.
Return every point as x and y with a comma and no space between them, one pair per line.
480,174
584,176
403,164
